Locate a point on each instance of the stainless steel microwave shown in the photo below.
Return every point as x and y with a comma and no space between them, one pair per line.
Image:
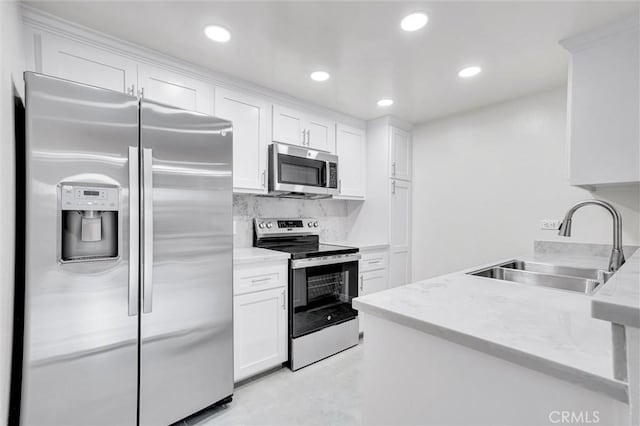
301,172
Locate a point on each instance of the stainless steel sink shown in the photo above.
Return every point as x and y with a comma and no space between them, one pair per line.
582,280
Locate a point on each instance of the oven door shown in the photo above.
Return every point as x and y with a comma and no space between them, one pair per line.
302,171
321,292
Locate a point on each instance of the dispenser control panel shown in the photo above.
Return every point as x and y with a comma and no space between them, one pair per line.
85,197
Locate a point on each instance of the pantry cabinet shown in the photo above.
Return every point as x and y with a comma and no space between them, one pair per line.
399,235
603,105
400,217
296,127
63,58
400,146
251,125
351,151
385,217
175,89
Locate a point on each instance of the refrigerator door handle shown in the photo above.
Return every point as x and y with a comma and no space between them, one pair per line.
147,227
134,230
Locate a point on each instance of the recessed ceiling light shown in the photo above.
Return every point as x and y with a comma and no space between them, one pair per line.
385,102
469,72
217,33
414,22
320,76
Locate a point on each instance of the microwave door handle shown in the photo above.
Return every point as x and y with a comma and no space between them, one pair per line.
147,230
134,230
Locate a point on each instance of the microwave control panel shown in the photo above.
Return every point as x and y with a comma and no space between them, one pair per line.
333,175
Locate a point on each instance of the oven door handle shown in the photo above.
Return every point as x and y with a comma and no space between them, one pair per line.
328,260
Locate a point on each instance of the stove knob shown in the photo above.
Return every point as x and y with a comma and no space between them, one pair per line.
310,224
269,225
261,225
315,224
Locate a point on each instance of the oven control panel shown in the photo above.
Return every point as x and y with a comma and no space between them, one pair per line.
280,226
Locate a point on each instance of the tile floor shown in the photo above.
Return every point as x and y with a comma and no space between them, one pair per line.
325,393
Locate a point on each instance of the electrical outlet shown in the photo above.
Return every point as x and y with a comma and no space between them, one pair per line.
550,224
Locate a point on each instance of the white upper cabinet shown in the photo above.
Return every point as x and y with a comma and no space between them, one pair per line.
288,126
299,128
175,89
352,160
250,117
400,167
603,105
321,134
87,64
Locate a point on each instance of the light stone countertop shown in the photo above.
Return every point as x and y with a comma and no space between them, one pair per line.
548,330
253,254
618,301
361,246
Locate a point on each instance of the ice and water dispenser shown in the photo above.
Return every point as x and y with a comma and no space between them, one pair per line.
89,222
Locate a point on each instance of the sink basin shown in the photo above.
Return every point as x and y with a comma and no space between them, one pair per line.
582,280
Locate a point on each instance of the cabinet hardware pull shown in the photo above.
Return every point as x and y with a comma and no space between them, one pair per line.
361,283
308,137
264,178
261,280
393,184
282,299
141,92
339,186
393,168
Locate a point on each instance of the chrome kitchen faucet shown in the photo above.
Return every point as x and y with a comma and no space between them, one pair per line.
617,256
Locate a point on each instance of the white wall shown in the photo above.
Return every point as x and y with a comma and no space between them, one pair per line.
485,178
11,67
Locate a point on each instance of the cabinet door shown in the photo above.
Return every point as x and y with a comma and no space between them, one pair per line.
372,282
175,89
400,154
400,214
260,332
288,126
604,129
321,133
250,138
398,267
86,64
350,147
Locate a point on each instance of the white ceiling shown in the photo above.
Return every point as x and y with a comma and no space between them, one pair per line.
277,45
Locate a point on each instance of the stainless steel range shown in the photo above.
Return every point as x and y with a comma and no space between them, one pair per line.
323,279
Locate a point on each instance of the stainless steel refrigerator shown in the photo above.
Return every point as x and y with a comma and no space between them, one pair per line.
128,259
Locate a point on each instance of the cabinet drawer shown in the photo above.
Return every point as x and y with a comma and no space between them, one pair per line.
374,260
257,277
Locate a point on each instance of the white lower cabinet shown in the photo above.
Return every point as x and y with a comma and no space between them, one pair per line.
260,332
260,306
374,273
398,267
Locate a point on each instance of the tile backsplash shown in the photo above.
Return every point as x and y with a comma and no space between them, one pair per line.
332,215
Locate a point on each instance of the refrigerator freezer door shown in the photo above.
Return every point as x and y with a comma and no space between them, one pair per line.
80,343
186,353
